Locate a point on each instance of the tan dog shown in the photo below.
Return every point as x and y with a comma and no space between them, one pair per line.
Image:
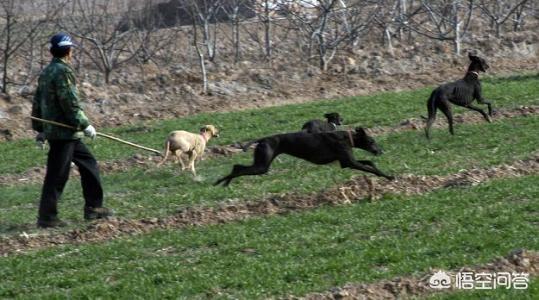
180,142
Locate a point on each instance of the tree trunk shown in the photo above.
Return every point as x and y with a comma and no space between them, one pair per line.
200,60
456,27
402,17
236,36
107,75
388,39
207,39
322,41
7,47
267,31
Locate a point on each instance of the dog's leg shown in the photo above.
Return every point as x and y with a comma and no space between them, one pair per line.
192,158
482,100
479,110
349,162
445,107
167,151
264,155
489,106
178,155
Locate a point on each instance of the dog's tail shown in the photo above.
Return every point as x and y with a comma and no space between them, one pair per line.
431,107
167,152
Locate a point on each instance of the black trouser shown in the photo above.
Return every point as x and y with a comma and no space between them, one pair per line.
61,154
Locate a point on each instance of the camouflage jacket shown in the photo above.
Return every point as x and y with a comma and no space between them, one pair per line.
57,99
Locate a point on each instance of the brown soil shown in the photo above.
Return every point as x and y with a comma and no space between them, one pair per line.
172,91
37,174
521,261
355,190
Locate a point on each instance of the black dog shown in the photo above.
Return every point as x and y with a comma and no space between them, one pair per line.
461,92
319,148
313,126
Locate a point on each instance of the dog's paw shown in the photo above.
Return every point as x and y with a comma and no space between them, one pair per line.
391,178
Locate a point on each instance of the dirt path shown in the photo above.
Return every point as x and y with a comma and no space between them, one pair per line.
36,175
355,190
521,261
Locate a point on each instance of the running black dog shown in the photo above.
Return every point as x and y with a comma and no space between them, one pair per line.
333,120
461,92
319,148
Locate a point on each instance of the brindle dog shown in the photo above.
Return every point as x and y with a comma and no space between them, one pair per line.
462,92
318,148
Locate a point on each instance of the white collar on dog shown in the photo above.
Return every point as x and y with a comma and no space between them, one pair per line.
476,73
334,126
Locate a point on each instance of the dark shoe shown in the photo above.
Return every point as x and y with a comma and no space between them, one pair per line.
50,223
93,213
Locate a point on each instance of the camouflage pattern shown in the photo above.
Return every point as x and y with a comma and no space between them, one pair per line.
57,99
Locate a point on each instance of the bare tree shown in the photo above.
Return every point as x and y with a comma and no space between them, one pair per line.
265,17
386,18
499,11
149,40
327,26
21,24
446,20
264,10
237,11
205,12
95,21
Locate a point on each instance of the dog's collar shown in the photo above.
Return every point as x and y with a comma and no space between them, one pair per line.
475,73
351,138
334,126
204,137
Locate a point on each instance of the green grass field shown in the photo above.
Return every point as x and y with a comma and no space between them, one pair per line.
379,109
291,254
156,192
300,252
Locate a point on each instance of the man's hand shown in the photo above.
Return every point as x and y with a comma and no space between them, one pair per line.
90,132
40,140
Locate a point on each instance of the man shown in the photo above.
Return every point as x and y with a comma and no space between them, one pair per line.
57,99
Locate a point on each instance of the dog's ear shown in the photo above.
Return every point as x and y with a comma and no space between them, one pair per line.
332,115
203,129
361,131
472,57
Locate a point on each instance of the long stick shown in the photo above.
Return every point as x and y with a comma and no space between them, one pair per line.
99,134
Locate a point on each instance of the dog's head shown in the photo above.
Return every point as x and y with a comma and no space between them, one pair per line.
364,141
477,63
334,118
211,129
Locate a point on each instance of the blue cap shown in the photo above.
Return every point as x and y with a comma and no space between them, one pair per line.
61,40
